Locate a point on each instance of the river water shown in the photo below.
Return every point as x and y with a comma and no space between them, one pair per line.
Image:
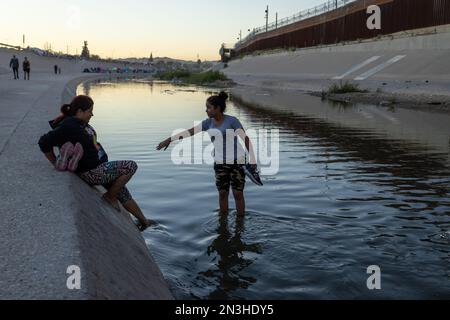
357,186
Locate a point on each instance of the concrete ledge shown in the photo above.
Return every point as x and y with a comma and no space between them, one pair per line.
53,220
116,260
113,252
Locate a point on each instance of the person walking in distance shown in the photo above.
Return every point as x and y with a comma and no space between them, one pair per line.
26,69
14,64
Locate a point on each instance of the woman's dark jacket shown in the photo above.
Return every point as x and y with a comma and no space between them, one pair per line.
72,130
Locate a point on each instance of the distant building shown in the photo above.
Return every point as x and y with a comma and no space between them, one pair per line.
85,53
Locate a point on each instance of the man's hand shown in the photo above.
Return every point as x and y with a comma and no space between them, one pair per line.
164,145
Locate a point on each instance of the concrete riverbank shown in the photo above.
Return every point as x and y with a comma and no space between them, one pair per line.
411,68
52,220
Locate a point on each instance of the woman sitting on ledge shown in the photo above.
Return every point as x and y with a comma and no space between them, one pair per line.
81,153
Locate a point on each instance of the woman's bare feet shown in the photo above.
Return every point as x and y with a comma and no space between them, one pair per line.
144,225
112,201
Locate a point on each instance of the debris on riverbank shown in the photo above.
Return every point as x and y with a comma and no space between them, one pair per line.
214,79
424,102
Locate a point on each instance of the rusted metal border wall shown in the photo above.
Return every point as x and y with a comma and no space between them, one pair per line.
349,23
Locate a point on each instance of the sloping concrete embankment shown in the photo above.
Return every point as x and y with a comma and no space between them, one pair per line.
52,220
414,62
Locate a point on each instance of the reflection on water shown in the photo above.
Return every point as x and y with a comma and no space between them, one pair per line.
357,186
228,252
407,165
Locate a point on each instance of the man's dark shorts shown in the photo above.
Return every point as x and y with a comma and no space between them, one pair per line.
229,175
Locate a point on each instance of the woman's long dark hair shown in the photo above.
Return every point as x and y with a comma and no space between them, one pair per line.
81,102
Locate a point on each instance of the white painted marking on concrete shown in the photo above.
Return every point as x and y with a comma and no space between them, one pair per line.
23,93
357,67
378,68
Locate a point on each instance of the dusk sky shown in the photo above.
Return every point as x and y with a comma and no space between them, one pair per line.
175,28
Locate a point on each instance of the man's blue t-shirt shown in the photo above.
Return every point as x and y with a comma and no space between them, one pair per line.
221,138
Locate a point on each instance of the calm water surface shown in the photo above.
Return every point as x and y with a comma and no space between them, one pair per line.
357,186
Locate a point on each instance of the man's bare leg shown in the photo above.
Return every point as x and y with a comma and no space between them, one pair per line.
240,202
223,201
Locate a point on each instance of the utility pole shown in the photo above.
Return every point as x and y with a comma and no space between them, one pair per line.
276,20
23,41
267,19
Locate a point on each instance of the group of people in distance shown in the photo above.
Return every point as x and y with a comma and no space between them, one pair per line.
14,64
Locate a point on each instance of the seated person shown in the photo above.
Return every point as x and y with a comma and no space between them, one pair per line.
81,153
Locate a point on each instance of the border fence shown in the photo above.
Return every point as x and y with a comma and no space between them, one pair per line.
346,21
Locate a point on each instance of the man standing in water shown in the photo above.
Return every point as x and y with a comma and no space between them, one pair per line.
229,170
26,69
14,64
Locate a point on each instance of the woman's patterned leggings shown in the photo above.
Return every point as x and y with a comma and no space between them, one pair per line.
108,172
